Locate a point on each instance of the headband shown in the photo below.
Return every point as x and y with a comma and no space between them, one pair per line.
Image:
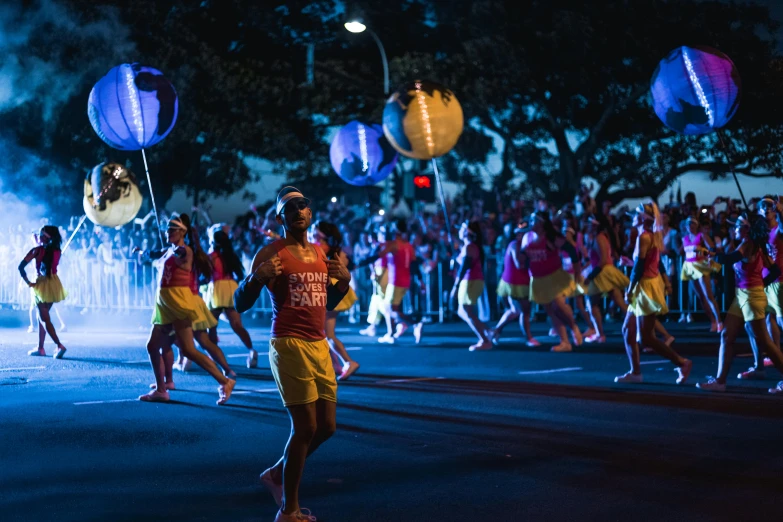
742,221
641,211
767,200
693,220
177,223
44,234
286,198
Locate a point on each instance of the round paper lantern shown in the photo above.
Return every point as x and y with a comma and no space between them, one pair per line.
133,107
423,120
695,90
361,155
111,195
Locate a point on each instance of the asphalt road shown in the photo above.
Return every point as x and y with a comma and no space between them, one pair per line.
425,433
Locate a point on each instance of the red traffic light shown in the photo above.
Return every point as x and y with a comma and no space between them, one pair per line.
422,182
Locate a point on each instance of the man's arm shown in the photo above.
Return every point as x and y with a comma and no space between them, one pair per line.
266,266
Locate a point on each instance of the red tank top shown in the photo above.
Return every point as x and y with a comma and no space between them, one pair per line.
511,274
39,255
776,240
543,260
749,273
400,264
217,268
475,270
299,296
172,275
650,268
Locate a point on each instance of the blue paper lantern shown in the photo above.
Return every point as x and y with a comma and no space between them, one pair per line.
695,90
361,155
133,107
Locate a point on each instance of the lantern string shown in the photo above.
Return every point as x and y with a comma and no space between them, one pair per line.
443,203
73,234
152,196
731,168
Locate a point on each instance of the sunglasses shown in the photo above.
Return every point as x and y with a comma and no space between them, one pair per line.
297,205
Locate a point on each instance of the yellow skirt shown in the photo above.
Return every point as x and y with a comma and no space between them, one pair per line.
220,294
774,301
514,291
609,279
695,270
750,304
176,303
49,290
648,297
544,290
205,319
470,291
347,302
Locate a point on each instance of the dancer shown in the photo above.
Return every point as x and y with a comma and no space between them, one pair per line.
578,294
604,278
514,286
550,284
297,276
769,208
697,269
469,282
646,296
33,316
177,308
750,303
400,254
226,271
328,237
380,280
47,287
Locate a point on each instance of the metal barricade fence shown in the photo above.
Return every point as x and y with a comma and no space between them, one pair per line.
131,285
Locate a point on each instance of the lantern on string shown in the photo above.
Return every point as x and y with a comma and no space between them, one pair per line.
361,155
111,195
423,120
133,107
695,90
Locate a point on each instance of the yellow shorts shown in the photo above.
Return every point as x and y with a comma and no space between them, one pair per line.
609,279
220,293
648,297
49,290
514,291
175,303
774,304
695,270
302,370
393,294
750,304
470,291
544,290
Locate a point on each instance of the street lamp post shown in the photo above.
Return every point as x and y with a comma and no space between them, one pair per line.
358,27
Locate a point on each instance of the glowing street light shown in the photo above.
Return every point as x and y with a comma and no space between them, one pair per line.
381,212
334,199
355,26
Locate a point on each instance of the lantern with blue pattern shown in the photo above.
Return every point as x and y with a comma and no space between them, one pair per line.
133,107
361,155
695,90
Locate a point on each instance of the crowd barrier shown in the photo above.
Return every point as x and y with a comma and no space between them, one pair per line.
128,284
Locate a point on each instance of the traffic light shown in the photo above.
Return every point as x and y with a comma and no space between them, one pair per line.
424,188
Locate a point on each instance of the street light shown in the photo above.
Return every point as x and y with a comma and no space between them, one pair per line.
355,26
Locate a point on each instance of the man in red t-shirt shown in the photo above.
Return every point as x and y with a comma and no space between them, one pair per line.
297,276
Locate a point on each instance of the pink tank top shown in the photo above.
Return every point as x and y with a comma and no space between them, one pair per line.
749,273
511,274
692,247
543,260
173,275
595,251
39,255
299,296
217,268
475,270
776,241
400,264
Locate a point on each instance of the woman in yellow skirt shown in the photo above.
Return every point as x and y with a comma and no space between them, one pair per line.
750,304
604,279
47,287
329,238
177,308
578,295
550,284
697,269
646,297
380,280
226,271
469,283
